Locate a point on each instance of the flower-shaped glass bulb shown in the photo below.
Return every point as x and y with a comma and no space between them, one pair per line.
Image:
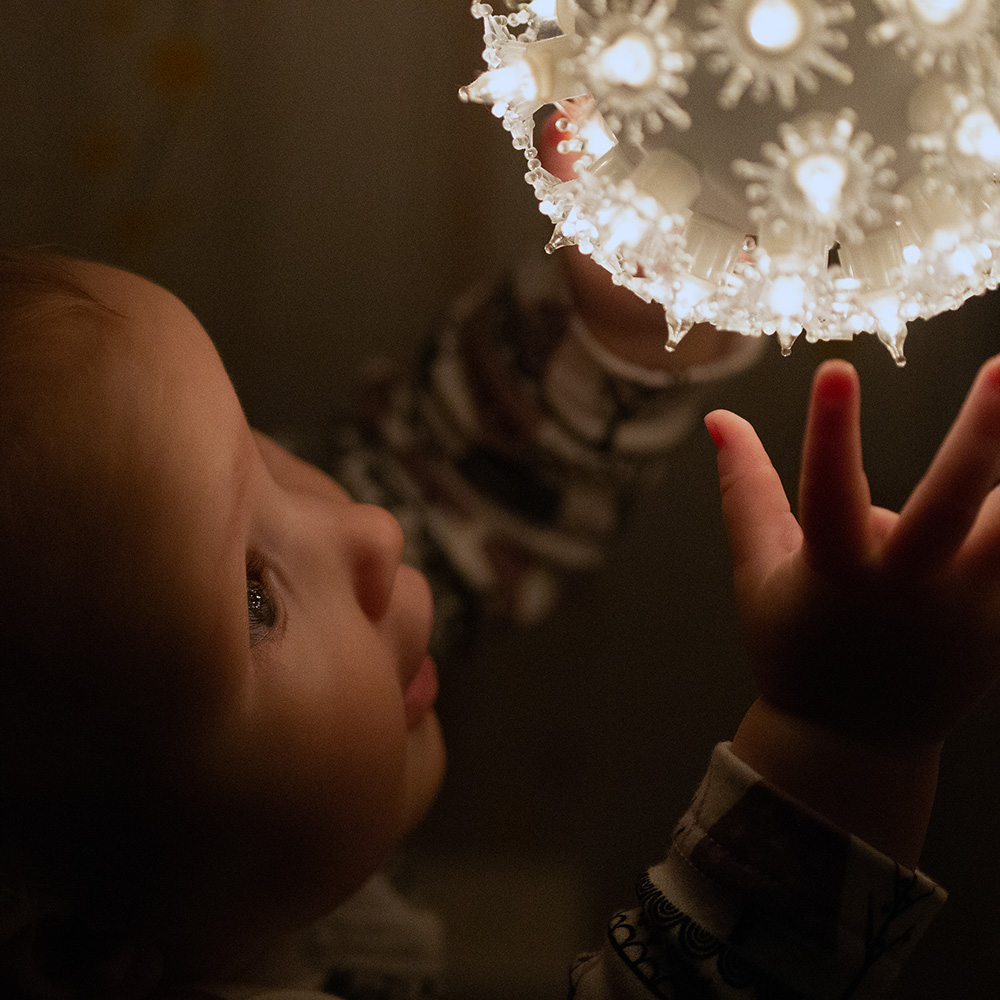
821,179
774,25
938,11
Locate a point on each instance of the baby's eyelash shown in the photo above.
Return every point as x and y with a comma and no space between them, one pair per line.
261,611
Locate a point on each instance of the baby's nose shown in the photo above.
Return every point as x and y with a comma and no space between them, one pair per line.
375,541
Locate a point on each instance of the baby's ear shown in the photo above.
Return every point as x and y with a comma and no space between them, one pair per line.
48,961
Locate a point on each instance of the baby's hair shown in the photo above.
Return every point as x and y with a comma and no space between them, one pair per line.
35,281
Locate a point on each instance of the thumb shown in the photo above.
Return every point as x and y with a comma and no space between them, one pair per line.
760,526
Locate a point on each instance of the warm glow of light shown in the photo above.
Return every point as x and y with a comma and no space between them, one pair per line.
912,254
788,295
626,229
690,294
596,138
938,11
545,9
821,179
978,135
775,25
963,262
886,313
515,82
630,61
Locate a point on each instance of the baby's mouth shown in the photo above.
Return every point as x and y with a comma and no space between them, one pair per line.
422,692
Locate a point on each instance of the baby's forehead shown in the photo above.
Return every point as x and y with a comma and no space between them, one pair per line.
123,400
132,439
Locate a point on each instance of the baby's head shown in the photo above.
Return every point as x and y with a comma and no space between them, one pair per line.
211,726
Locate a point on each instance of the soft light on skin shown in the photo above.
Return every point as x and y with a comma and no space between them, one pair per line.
978,135
821,179
788,295
630,61
938,11
774,25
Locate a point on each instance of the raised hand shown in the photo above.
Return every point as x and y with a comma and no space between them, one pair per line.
869,631
634,330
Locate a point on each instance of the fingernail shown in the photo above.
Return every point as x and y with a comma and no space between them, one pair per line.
714,432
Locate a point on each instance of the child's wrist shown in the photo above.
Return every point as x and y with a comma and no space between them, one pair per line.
884,796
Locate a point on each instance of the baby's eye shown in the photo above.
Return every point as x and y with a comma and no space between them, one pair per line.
260,609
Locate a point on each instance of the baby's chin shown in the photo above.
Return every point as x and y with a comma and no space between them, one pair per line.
425,768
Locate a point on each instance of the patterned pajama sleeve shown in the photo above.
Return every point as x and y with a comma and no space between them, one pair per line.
759,897
511,448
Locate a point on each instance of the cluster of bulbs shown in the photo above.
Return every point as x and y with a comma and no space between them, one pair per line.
767,166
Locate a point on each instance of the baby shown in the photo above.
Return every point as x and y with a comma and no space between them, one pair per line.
218,704
219,654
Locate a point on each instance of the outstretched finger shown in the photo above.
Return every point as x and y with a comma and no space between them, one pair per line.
760,526
946,502
834,498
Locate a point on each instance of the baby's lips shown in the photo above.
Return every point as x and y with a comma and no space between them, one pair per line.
422,691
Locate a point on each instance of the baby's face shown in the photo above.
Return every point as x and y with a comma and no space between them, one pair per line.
310,745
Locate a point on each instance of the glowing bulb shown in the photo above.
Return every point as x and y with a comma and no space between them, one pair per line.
962,262
775,25
788,295
886,313
626,229
545,9
978,135
502,86
596,138
690,295
821,179
938,11
630,61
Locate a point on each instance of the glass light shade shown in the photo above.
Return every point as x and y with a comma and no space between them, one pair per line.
767,166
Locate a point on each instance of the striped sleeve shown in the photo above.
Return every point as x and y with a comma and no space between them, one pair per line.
510,449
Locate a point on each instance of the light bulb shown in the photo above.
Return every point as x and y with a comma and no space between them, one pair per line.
505,85
775,25
596,138
788,295
886,313
544,9
962,262
938,11
630,61
978,135
821,179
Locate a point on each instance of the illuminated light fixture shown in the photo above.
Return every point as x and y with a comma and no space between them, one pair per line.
785,167
774,25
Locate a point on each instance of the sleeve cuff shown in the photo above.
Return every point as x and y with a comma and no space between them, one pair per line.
818,908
